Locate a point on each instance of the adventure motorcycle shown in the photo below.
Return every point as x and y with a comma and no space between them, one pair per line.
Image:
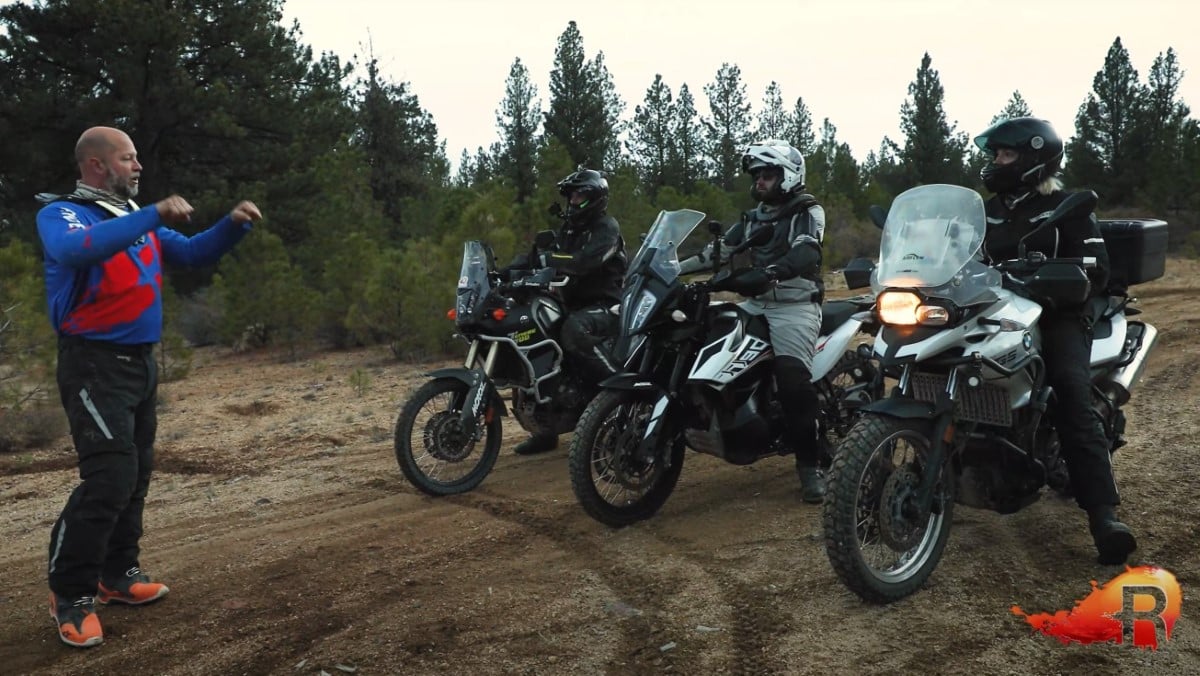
970,418
699,374
512,327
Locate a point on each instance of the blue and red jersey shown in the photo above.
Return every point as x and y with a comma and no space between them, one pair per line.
104,273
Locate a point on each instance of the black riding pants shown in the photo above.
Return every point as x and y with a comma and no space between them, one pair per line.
583,338
798,396
1067,349
109,392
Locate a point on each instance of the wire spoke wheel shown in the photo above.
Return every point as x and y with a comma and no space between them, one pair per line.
434,449
613,484
880,540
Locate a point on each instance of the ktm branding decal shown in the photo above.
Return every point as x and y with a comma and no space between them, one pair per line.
752,352
1139,606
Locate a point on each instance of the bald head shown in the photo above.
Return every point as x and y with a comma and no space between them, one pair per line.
107,159
98,142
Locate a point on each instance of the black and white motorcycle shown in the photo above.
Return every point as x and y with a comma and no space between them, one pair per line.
970,417
699,375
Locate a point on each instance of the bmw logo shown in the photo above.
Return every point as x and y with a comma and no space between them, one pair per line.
1026,341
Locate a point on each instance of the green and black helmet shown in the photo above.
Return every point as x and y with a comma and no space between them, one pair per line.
594,187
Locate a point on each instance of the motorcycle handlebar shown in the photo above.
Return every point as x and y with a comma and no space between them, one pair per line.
1034,262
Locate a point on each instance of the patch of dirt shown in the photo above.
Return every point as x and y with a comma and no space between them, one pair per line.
292,544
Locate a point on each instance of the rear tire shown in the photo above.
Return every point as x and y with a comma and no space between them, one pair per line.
431,449
613,486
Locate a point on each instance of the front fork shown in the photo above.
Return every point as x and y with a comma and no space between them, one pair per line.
660,423
480,390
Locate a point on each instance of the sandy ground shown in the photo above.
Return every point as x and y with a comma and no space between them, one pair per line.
293,545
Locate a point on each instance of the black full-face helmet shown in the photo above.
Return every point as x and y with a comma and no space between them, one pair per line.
1039,153
594,188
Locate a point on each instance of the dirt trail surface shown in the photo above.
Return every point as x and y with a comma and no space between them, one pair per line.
293,545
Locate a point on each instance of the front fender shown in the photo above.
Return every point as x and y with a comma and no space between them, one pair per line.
470,377
631,382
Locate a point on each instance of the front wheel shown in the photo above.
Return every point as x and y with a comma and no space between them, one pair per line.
613,485
434,451
882,544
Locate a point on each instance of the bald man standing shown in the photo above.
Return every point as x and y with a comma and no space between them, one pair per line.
103,265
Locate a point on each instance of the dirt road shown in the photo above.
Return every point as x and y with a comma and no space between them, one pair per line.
293,545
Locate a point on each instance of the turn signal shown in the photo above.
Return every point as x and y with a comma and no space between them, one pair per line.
452,314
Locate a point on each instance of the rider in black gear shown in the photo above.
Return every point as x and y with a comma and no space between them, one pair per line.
589,249
1026,155
785,286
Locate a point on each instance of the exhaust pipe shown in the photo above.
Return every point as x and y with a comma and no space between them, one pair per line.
1124,377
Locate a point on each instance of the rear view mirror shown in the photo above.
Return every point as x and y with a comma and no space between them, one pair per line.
858,273
715,227
878,215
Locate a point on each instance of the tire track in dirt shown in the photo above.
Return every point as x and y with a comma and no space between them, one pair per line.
755,616
646,593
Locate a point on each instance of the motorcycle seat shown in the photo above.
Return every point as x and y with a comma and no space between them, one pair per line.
834,313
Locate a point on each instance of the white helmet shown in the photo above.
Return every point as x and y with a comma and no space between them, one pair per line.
776,153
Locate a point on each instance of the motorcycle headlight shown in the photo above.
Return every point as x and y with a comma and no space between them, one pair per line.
904,308
641,311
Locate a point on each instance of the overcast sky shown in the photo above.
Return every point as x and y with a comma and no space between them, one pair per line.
851,60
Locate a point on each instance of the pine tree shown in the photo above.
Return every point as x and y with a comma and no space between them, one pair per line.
773,120
1016,107
1164,122
933,151
728,130
651,140
221,101
832,168
687,154
1111,138
799,130
400,143
584,108
517,119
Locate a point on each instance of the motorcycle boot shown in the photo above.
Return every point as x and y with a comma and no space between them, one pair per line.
537,443
812,484
1114,540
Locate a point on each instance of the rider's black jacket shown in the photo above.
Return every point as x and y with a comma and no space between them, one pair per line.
1009,219
593,255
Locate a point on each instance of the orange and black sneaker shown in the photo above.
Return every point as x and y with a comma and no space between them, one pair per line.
133,588
77,621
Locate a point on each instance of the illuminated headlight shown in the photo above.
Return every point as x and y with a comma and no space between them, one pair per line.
904,308
641,310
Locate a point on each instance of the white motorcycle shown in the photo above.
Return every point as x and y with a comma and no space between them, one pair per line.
970,417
